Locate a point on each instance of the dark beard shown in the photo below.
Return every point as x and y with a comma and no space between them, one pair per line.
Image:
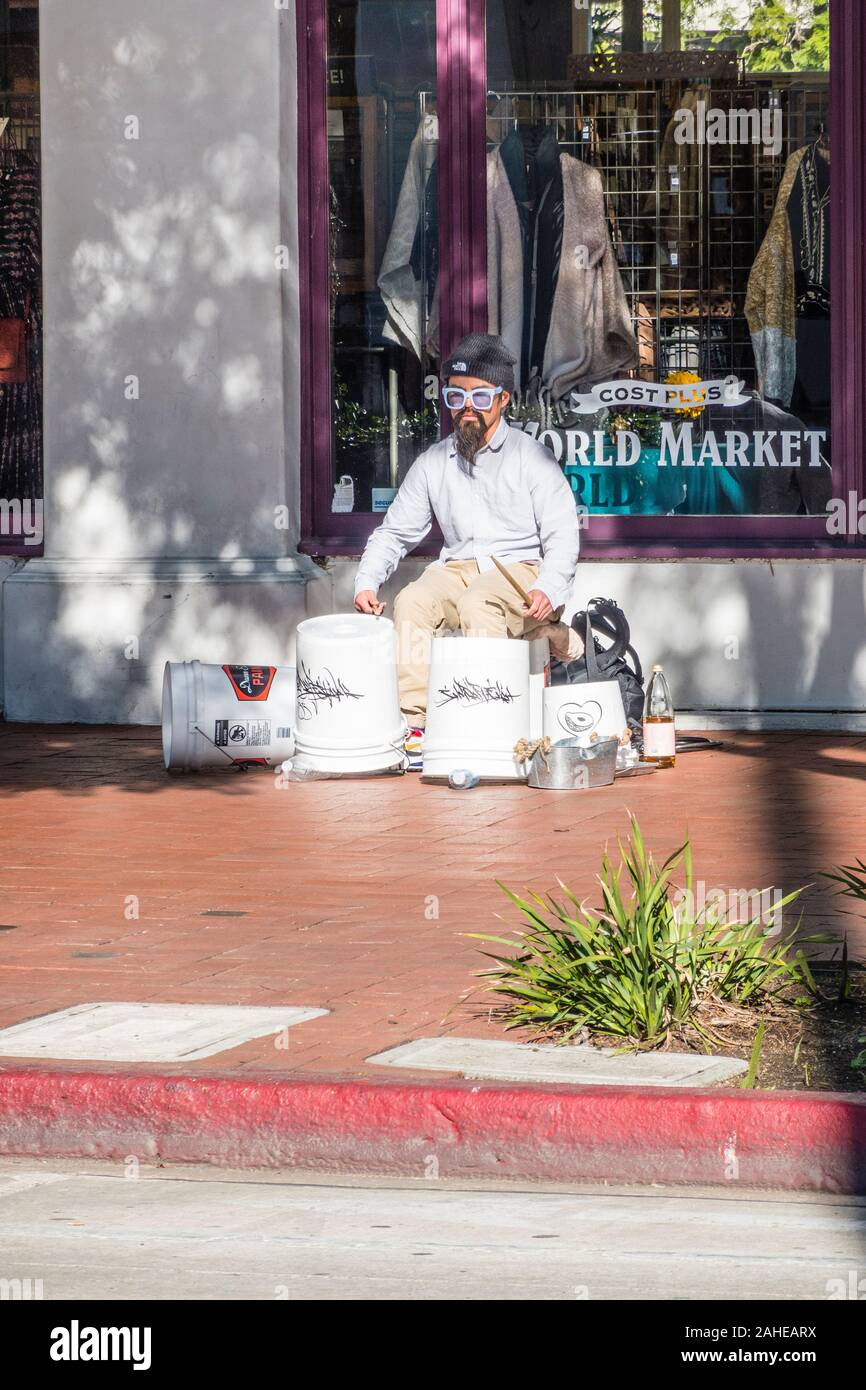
470,434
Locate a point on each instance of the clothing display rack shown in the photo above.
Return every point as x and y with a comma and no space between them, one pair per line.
20,110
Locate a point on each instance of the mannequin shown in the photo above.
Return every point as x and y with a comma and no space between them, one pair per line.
555,293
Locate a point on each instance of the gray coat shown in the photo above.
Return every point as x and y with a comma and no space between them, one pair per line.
591,338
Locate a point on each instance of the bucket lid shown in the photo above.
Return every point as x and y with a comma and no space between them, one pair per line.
344,627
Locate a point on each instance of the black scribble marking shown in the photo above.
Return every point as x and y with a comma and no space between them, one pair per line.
326,688
474,693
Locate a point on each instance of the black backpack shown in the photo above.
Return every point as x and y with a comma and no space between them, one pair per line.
600,663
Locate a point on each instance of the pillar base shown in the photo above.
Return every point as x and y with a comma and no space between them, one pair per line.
86,642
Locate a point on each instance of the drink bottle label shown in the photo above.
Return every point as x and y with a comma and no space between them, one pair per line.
659,740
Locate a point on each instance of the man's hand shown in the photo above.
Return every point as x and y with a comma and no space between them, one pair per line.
540,606
366,602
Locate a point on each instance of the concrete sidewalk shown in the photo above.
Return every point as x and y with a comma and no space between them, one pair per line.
120,882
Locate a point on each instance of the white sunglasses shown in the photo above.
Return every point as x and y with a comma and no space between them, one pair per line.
482,397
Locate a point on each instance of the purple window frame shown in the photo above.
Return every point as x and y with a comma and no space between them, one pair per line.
462,86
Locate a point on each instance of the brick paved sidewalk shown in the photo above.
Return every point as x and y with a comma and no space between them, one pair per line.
326,894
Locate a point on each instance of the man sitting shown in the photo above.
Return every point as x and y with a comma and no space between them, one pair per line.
493,491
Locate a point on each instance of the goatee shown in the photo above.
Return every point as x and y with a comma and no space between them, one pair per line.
470,436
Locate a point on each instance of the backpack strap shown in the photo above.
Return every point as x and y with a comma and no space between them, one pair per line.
610,619
638,669
582,624
606,617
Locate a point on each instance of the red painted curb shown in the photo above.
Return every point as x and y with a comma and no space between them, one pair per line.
454,1129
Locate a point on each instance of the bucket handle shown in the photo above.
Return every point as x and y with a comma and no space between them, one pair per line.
194,729
525,751
399,746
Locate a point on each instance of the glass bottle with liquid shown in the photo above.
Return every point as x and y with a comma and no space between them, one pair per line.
659,727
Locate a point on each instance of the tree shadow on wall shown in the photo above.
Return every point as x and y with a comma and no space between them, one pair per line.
169,341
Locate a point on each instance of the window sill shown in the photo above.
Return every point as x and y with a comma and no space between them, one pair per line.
687,548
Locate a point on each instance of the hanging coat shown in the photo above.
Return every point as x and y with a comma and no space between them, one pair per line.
590,337
771,298
404,295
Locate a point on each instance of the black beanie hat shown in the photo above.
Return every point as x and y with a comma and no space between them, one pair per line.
484,356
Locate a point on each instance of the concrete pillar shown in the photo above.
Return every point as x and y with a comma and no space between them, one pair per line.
171,397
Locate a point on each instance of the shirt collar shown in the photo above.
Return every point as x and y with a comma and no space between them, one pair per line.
498,439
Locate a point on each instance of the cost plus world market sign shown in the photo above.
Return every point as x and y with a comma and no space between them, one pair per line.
613,469
660,396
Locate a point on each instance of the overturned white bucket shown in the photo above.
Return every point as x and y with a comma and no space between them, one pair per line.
223,716
479,704
348,705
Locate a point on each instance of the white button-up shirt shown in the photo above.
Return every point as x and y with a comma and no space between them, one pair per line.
514,502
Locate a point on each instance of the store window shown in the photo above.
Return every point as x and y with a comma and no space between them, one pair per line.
20,281
637,196
659,250
383,181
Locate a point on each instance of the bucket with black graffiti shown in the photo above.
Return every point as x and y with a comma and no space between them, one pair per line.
478,707
348,705
227,716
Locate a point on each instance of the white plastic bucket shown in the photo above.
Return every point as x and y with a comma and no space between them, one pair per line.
348,705
539,680
478,706
579,711
221,716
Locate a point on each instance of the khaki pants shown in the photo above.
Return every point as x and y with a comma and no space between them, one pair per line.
455,595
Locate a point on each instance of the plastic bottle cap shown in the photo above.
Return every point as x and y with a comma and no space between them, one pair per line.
461,778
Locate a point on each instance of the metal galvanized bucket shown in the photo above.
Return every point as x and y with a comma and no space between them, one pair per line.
569,767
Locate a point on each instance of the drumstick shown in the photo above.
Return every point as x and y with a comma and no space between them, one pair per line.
512,581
